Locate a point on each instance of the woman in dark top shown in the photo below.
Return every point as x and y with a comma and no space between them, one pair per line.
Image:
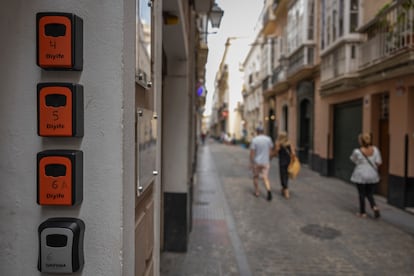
284,150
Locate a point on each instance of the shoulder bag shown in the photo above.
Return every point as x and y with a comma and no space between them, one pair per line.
294,165
370,163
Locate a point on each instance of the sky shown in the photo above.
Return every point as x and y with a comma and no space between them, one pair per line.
240,19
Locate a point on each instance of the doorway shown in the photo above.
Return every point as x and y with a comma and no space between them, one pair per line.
347,127
384,143
285,118
305,113
305,130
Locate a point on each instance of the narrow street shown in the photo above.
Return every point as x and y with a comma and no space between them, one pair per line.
315,232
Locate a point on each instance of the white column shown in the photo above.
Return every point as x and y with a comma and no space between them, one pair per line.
107,78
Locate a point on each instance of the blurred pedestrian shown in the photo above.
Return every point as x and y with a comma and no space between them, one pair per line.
366,158
227,138
284,150
203,137
260,150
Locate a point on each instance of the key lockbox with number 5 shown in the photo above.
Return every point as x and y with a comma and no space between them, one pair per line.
60,109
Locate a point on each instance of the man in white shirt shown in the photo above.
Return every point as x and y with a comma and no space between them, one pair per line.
260,149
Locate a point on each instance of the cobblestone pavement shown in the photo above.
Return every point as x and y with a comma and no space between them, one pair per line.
315,232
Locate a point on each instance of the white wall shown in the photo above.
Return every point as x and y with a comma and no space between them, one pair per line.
176,132
108,78
158,23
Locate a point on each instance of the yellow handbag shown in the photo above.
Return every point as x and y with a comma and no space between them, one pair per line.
294,167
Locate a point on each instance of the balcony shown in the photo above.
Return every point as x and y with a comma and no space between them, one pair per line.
279,75
222,79
279,80
339,67
268,17
340,62
390,42
301,62
202,54
266,83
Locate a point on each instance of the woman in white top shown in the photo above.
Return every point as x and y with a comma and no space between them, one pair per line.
367,158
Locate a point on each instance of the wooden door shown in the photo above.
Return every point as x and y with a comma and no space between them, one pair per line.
384,144
347,127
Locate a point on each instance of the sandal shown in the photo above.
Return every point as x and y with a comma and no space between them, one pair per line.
376,212
361,215
285,193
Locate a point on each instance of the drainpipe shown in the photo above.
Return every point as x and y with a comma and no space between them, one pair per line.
328,149
405,168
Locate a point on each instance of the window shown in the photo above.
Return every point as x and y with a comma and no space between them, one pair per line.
323,25
341,18
328,39
353,52
295,31
335,57
272,53
311,20
385,103
298,33
354,16
143,43
334,25
310,56
285,119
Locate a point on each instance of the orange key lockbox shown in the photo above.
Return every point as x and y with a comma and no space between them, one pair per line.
60,177
60,109
59,41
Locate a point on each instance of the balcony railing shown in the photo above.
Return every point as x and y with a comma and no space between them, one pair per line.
266,83
279,75
333,65
268,16
391,33
303,57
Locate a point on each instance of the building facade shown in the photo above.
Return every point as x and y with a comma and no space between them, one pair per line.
226,106
252,91
366,86
289,86
339,68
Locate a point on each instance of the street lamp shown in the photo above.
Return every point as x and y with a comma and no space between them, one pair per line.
215,15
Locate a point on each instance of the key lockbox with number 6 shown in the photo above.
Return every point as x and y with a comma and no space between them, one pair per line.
60,177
